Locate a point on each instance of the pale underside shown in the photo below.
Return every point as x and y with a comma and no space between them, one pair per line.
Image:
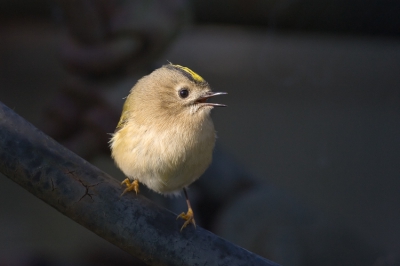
167,158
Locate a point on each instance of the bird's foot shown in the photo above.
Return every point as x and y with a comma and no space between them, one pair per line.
130,186
189,217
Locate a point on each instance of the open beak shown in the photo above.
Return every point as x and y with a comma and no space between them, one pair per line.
203,99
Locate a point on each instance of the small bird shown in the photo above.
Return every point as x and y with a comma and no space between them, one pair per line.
165,136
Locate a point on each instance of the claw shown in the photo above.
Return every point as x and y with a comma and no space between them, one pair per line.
130,186
189,217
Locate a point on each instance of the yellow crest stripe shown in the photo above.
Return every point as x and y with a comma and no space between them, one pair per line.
193,74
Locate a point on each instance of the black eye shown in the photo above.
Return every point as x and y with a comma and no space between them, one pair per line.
183,93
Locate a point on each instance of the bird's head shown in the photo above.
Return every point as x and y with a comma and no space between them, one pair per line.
174,90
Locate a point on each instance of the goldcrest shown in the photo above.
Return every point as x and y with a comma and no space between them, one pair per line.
165,136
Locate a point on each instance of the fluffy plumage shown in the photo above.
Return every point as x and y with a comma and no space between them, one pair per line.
164,140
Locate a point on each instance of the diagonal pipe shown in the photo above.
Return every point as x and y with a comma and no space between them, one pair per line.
91,198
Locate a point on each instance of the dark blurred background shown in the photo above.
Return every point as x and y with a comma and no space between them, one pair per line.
307,166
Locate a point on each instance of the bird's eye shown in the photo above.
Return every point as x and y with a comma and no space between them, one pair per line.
183,93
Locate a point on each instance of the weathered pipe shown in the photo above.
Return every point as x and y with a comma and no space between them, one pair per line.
91,198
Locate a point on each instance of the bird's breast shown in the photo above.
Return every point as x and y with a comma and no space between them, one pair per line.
167,158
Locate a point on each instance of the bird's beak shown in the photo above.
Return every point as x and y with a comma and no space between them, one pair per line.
203,99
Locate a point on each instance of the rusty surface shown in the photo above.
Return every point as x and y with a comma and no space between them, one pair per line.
91,198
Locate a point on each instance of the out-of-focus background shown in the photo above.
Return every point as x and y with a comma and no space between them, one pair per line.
307,166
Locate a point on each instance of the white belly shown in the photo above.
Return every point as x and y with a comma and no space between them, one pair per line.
164,161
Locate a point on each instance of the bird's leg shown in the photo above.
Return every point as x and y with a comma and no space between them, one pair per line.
189,216
130,186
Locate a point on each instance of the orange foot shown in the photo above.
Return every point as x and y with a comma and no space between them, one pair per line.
189,217
130,186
